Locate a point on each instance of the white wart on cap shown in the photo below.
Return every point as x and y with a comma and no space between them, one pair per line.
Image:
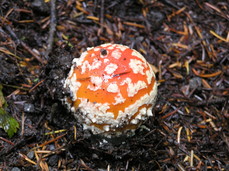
114,88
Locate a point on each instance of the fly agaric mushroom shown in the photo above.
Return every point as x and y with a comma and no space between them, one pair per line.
114,88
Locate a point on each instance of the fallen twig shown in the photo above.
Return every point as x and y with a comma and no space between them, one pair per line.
18,41
52,28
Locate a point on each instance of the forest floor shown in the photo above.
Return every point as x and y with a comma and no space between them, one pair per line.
187,43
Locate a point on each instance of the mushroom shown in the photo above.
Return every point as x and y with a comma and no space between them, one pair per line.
113,87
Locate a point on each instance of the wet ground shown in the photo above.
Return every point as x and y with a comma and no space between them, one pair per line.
185,41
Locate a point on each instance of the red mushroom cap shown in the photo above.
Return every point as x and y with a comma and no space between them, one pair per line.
114,88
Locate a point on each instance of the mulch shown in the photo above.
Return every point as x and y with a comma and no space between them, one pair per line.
185,41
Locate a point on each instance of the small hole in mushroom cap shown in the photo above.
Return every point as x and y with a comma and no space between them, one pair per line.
103,52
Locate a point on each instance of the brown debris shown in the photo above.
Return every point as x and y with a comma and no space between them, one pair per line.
185,41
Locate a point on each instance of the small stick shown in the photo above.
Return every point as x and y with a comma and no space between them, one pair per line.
14,36
52,28
9,142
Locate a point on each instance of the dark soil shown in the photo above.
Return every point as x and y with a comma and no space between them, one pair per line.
186,42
